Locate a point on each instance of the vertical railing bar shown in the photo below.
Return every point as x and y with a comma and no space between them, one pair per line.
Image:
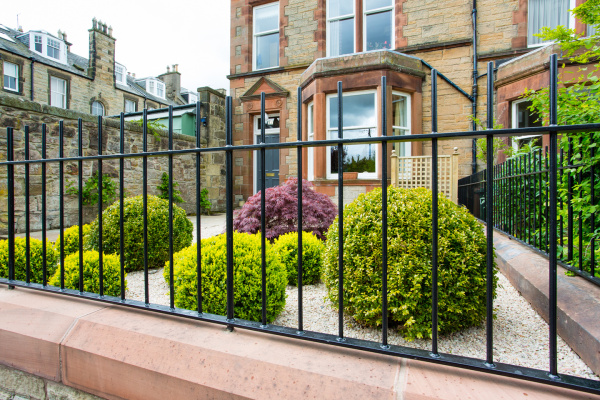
300,265
340,214
384,217
547,235
145,201
229,207
100,203
44,251
529,199
522,198
434,218
27,210
489,207
263,244
11,204
580,215
61,202
541,201
593,201
561,203
122,203
198,210
570,202
552,215
171,261
80,199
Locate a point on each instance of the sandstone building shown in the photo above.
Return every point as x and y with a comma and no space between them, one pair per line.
278,46
40,67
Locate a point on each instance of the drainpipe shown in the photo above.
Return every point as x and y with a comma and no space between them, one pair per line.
475,76
32,62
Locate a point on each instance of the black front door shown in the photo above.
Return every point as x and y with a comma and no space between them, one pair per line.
271,164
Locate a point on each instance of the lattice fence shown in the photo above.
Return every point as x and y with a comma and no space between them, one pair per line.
414,172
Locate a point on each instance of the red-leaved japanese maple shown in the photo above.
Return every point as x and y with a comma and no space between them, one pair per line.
281,211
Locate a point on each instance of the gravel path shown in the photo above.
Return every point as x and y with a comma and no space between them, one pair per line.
520,334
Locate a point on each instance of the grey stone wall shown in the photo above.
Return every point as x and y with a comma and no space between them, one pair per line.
18,113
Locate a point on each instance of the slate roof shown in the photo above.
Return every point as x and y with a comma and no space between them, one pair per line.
76,64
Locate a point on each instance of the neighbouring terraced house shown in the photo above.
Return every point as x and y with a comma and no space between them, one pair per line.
40,67
278,46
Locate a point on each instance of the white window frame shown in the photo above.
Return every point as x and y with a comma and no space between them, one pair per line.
339,18
310,131
15,77
515,124
151,86
256,135
97,104
63,95
133,106
572,5
364,175
160,90
122,71
50,43
256,35
407,129
36,42
376,11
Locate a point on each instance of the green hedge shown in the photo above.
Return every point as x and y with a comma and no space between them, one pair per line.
247,277
286,246
71,236
36,260
461,260
158,231
91,273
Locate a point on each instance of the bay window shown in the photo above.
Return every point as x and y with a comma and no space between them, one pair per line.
401,122
266,36
311,137
523,117
359,121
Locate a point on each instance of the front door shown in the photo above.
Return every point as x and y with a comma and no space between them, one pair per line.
271,156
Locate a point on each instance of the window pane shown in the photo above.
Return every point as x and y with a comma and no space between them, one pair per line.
359,110
591,30
341,37
267,51
38,44
379,31
129,106
58,91
399,111
272,122
357,158
375,4
10,76
266,18
97,108
338,8
550,13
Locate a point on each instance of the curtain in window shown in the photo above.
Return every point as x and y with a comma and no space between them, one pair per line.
591,30
550,13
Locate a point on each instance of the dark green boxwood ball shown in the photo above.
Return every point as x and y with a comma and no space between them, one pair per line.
111,267
71,237
158,232
461,263
247,277
35,260
286,247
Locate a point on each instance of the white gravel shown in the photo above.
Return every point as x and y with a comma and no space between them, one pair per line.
520,334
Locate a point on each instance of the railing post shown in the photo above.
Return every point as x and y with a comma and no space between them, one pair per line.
454,176
394,167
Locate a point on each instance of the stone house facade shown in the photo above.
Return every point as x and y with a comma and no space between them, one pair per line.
278,46
40,67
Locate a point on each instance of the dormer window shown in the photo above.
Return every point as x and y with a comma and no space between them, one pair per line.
151,87
38,43
120,74
54,48
160,90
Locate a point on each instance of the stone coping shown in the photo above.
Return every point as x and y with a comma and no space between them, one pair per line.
120,353
578,300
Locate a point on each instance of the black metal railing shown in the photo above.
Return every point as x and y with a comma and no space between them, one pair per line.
489,365
522,197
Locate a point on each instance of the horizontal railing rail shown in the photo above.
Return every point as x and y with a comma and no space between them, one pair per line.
433,355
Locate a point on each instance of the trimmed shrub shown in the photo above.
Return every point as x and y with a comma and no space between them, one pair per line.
461,263
35,261
247,277
71,236
286,246
158,231
318,211
91,277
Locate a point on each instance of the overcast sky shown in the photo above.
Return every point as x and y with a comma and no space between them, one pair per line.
150,34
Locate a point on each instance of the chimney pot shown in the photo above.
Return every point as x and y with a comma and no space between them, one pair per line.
176,67
94,23
168,69
110,30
